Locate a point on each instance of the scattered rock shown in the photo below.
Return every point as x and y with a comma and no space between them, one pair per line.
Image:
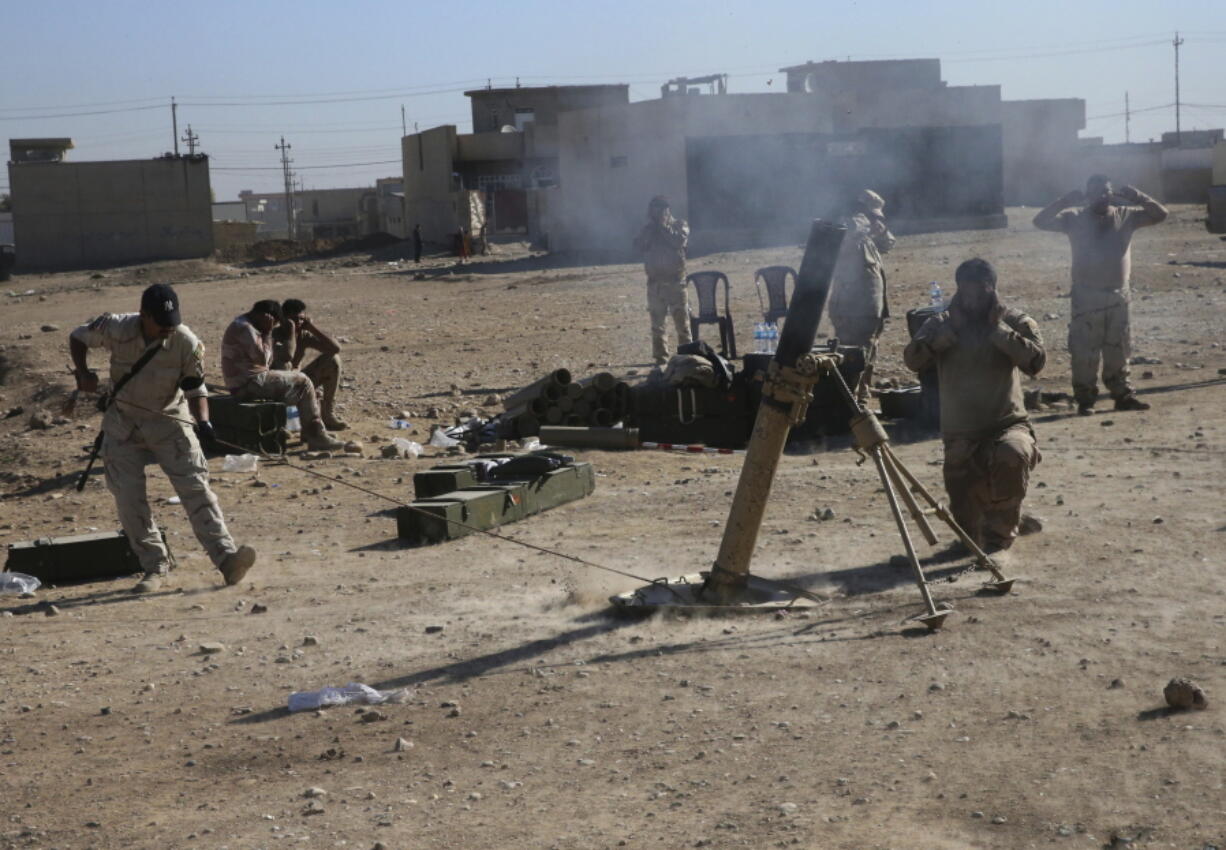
1116,684
47,329
310,640
788,808
41,420
314,792
258,608
211,648
1184,693
51,610
433,630
313,808
373,716
402,745
353,447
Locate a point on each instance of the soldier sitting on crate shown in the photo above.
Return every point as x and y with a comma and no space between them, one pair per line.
980,348
161,364
246,360
290,340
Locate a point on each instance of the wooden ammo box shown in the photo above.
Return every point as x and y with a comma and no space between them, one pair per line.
83,557
259,426
488,505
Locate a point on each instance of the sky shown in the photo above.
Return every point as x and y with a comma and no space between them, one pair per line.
332,78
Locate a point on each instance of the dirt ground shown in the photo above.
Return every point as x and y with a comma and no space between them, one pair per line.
538,720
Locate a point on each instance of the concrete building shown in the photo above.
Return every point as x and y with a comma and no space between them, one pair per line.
752,169
498,174
98,214
318,213
390,193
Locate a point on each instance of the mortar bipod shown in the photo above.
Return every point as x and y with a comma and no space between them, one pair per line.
898,482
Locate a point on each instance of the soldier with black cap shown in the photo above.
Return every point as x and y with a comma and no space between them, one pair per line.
160,364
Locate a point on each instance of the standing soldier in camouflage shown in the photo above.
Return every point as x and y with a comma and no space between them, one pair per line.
290,341
858,306
980,349
148,420
1100,235
662,243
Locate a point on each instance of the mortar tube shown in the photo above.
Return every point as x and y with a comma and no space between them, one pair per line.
574,391
602,381
553,392
575,421
556,378
592,438
582,408
554,415
730,575
565,404
602,417
591,394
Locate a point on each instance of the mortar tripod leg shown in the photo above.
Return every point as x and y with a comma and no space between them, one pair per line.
1002,584
917,514
934,618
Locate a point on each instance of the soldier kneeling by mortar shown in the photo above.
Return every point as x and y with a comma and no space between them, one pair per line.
979,348
246,358
290,341
157,366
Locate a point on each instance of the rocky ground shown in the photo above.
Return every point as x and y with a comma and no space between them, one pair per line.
528,716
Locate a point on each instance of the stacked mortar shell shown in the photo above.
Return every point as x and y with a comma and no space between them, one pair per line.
599,401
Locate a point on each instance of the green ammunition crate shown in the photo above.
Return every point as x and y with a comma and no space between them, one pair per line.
83,557
481,507
447,477
566,484
259,426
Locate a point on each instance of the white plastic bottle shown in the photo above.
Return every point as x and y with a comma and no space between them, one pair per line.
935,298
293,423
759,338
772,338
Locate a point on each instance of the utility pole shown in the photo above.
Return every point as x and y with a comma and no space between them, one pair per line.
174,124
404,128
1127,119
1178,136
289,186
192,140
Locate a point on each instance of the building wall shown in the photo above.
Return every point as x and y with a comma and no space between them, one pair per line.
831,77
97,214
1040,149
6,228
492,109
430,190
230,211
1219,164
613,160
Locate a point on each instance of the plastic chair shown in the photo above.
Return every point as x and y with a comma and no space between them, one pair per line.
776,280
705,284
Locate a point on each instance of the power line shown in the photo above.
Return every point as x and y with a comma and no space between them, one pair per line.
307,167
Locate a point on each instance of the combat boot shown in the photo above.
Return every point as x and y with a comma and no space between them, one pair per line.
150,583
317,438
236,564
331,421
1130,402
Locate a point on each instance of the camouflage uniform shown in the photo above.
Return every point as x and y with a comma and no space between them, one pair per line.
857,304
1100,325
990,447
149,420
664,248
324,371
245,358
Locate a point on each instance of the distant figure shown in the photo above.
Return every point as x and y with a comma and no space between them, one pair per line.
483,242
417,243
662,242
979,347
290,341
1100,235
858,305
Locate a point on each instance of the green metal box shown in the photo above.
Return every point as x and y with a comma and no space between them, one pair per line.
259,426
566,484
82,557
481,507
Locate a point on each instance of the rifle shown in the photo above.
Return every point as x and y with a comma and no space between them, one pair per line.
136,367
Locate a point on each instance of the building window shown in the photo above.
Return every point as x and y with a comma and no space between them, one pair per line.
486,182
618,161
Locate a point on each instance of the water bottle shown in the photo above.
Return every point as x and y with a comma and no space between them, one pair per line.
292,422
935,298
759,338
772,338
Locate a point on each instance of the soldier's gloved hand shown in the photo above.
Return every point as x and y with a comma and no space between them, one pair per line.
944,338
206,435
